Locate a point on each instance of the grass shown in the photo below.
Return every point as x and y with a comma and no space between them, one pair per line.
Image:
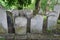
44,18
58,21
2,30
2,38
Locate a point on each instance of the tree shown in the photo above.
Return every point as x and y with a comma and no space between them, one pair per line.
28,24
23,3
37,7
10,22
10,4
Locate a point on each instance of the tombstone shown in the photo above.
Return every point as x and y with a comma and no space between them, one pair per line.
28,13
3,21
37,24
20,25
57,9
21,12
52,20
15,12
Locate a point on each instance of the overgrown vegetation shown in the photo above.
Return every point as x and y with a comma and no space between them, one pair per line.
20,4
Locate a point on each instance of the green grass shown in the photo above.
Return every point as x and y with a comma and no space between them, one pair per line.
2,38
44,17
58,21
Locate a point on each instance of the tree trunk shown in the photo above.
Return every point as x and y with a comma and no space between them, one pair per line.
10,23
37,7
45,25
28,24
46,21
59,17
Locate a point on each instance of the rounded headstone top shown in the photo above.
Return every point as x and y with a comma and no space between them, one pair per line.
29,13
52,13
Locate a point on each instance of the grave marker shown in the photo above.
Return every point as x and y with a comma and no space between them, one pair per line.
3,21
52,20
20,25
37,24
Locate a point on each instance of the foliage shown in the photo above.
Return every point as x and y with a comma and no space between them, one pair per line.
43,4
49,31
10,4
20,4
53,2
58,21
32,5
50,6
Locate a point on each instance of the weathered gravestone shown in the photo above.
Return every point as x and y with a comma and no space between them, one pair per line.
57,9
27,12
37,24
15,12
3,21
52,20
20,25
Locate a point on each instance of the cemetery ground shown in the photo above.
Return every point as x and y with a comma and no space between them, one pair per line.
50,35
